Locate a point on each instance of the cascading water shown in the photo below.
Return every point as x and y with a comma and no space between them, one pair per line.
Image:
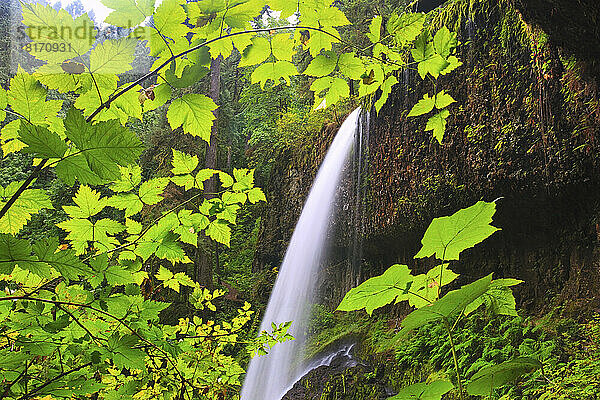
270,376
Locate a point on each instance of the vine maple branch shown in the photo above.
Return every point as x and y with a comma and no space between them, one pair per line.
57,377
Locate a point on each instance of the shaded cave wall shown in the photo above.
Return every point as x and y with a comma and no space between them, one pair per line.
525,128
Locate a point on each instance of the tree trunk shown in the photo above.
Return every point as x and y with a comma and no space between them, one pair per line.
203,261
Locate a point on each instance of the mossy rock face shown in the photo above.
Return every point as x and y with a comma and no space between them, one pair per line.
571,25
332,383
525,128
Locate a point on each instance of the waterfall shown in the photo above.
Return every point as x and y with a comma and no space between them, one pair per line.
269,377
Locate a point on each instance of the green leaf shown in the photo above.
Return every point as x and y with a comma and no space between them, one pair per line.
191,74
164,274
337,88
255,195
128,13
332,16
131,176
379,291
386,89
453,63
426,286
434,65
184,280
447,237
233,198
229,214
3,104
88,203
424,106
130,202
169,19
219,231
124,355
75,168
444,42
13,251
81,231
423,47
499,298
54,27
282,47
351,66
105,145
191,224
30,202
225,178
151,191
174,281
105,85
112,56
322,65
424,391
186,181
9,137
169,249
162,94
406,27
437,124
487,379
244,179
212,6
64,261
195,113
257,52
27,97
374,34
446,307
183,163
274,71
239,14
443,100
41,141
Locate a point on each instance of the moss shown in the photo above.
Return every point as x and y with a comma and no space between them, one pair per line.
458,14
561,344
430,191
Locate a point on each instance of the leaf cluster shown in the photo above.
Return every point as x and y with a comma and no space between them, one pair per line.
446,238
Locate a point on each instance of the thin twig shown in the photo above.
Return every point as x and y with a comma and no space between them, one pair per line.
57,377
120,320
7,388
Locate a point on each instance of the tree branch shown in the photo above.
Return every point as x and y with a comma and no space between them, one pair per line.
155,71
23,186
90,307
7,388
57,377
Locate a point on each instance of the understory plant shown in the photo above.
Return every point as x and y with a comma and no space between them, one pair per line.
445,239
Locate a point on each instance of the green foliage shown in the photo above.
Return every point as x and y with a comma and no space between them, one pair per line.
424,391
446,237
447,307
376,292
30,202
487,379
194,112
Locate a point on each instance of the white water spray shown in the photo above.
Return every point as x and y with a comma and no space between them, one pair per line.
270,376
